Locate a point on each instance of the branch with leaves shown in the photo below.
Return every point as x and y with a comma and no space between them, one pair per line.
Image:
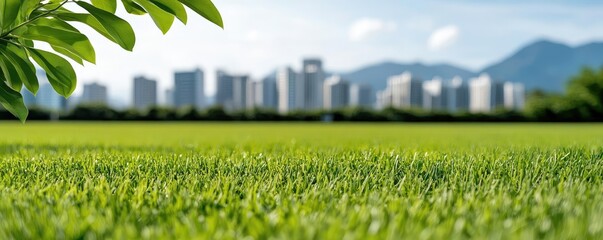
25,22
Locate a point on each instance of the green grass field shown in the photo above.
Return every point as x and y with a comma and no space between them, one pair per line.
300,181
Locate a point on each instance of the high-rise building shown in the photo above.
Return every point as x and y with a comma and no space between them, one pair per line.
435,95
95,93
224,88
336,93
384,99
290,90
254,94
263,94
313,77
189,89
485,95
406,91
269,93
240,88
145,93
361,96
232,91
514,96
458,95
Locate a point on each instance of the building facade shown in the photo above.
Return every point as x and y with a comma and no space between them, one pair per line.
224,88
241,90
485,95
514,96
336,93
406,91
290,94
313,77
361,96
95,93
384,99
435,95
232,91
458,95
189,89
263,94
144,93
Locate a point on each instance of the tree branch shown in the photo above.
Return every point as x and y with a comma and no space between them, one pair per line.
34,19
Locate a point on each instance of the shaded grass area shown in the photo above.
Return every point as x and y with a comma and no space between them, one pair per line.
301,181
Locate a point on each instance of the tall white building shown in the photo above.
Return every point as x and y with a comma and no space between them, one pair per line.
95,93
189,89
514,96
336,93
485,95
406,91
384,99
144,93
361,96
435,95
458,95
290,90
313,77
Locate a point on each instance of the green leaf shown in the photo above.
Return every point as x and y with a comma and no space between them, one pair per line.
23,67
87,19
26,42
10,73
58,36
59,71
52,4
57,23
206,9
107,5
173,7
117,28
12,101
162,19
133,8
68,54
27,8
9,10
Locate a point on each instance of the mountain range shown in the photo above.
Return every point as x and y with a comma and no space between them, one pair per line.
544,65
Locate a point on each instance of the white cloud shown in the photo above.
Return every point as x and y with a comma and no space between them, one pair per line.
443,37
366,27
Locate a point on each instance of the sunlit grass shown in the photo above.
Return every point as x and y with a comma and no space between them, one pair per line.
306,181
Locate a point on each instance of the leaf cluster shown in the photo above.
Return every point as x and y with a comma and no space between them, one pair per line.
25,23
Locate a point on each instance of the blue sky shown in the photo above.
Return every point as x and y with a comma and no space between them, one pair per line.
261,35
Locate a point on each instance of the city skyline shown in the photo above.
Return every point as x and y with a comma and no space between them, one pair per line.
351,37
310,89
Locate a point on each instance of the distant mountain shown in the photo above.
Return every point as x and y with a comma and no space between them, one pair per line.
544,65
547,65
377,75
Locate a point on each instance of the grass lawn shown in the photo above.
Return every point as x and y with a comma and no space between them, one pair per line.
300,181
